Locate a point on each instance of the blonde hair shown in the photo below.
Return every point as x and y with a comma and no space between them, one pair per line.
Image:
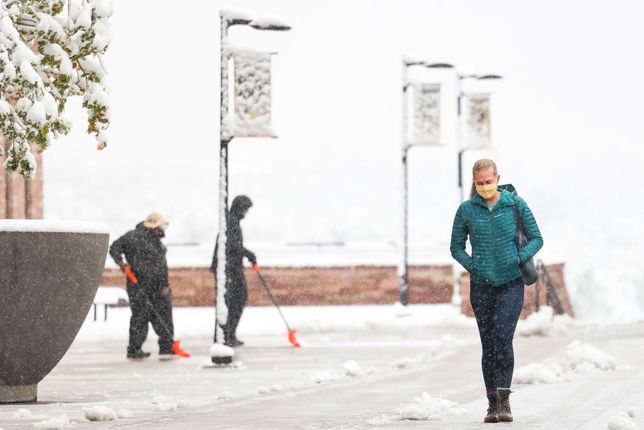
482,164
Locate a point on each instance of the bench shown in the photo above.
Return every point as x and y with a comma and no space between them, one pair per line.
109,296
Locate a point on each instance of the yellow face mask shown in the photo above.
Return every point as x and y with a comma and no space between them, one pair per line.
486,191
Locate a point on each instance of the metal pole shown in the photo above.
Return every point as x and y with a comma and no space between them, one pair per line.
224,139
404,267
404,276
459,137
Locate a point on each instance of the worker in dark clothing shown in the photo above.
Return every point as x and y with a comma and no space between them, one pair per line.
236,289
150,300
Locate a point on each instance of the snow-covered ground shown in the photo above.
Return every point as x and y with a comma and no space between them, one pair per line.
360,367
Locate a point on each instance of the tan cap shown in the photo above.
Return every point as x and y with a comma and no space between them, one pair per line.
155,220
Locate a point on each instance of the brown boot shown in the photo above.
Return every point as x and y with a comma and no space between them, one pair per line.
492,408
505,413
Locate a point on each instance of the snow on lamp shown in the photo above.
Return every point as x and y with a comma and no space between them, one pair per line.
252,112
476,121
426,117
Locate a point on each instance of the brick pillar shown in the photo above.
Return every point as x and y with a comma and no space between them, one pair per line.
3,185
16,196
34,192
21,199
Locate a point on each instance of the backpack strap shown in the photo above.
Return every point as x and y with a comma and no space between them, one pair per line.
517,222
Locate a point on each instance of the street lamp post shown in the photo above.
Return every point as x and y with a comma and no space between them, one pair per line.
226,135
403,268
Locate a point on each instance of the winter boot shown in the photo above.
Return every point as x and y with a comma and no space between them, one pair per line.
505,413
492,408
137,354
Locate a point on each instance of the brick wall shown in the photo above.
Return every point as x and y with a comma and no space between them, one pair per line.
312,285
534,296
20,198
345,286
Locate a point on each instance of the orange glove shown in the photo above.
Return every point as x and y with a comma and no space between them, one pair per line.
130,275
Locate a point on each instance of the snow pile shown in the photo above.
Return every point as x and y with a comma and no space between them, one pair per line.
353,369
219,350
100,413
227,395
53,424
23,413
540,373
605,286
543,323
325,377
580,358
622,422
583,357
269,390
407,362
350,369
124,413
427,407
162,404
381,420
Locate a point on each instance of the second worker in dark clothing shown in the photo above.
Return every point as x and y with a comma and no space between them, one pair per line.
149,299
236,289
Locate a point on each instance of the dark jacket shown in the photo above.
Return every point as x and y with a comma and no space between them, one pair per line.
495,259
146,255
235,251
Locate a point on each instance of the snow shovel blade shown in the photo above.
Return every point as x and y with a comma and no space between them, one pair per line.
291,338
176,348
291,331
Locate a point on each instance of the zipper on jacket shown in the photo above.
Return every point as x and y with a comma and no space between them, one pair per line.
493,229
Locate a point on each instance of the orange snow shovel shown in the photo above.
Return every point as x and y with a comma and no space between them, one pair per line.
176,345
291,331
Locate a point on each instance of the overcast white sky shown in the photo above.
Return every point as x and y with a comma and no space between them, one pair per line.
566,118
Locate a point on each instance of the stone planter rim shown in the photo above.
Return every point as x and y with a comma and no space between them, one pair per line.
53,226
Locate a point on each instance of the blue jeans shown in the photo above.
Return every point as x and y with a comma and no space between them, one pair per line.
497,311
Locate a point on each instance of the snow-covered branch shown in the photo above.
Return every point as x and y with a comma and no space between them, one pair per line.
50,51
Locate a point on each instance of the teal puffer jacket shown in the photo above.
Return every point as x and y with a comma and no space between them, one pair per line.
495,259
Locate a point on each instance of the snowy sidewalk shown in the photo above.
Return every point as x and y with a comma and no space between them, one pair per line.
355,374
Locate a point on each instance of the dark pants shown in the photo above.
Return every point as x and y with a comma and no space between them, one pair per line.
236,297
497,311
147,308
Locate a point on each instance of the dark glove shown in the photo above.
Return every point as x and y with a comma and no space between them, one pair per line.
251,257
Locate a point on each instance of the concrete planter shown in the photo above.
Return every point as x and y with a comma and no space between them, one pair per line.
49,274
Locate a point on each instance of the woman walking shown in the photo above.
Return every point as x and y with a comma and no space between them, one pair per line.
496,287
